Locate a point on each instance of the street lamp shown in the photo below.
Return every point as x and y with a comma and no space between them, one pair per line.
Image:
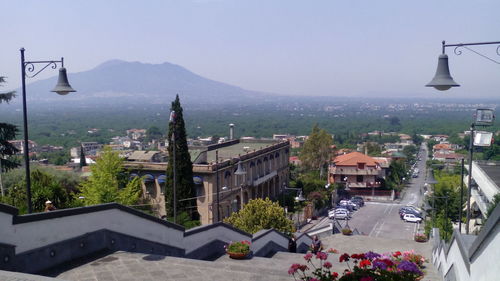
62,88
442,80
484,117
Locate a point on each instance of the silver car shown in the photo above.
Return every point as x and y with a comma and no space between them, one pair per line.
341,215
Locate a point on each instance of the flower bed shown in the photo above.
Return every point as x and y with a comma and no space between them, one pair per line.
370,266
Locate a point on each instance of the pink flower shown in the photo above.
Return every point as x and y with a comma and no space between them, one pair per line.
327,264
367,278
293,268
313,279
308,256
322,256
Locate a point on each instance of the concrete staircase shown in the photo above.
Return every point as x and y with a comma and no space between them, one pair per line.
126,266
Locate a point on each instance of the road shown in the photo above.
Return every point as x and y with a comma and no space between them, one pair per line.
380,219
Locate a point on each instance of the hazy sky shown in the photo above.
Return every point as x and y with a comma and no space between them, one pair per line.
307,47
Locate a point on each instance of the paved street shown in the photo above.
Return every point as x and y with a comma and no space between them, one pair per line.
381,219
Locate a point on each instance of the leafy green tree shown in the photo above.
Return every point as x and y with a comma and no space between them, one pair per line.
183,167
153,133
260,214
108,182
317,149
46,184
445,226
373,149
397,173
493,205
417,140
7,132
410,151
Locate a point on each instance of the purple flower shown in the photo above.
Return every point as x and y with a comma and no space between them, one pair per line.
409,266
379,264
371,255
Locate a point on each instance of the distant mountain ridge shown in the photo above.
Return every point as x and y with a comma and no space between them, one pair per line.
119,81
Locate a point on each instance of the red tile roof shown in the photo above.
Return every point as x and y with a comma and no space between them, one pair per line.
353,158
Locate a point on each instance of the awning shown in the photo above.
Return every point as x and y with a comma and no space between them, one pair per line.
162,179
148,178
197,180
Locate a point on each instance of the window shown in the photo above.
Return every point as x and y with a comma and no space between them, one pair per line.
361,166
359,178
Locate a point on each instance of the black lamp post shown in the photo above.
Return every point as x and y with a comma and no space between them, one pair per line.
62,88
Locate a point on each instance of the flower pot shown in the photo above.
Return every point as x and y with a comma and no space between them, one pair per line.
237,256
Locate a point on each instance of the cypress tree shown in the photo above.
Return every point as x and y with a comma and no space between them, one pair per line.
7,132
183,167
83,161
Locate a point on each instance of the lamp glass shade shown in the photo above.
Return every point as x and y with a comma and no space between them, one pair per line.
63,87
442,80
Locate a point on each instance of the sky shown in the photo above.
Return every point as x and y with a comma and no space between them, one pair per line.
291,47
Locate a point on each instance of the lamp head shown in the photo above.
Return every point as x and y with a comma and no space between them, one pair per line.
63,87
442,80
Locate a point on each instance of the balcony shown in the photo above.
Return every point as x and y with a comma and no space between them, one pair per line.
355,171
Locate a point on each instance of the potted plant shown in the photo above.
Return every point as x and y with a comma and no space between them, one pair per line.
346,231
238,249
420,237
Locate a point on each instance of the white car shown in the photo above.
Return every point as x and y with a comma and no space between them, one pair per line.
341,215
411,218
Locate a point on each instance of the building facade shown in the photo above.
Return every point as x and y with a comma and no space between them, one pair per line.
356,170
265,173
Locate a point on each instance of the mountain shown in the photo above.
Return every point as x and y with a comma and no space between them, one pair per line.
120,82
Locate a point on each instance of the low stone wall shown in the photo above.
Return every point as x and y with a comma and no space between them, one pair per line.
469,257
37,242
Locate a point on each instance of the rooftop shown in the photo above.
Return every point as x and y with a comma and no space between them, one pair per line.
353,158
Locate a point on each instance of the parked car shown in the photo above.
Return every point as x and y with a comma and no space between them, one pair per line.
332,212
358,200
409,211
412,218
352,205
341,215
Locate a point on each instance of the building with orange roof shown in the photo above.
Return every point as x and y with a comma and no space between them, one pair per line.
356,170
442,148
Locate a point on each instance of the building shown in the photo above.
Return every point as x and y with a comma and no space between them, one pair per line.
89,148
19,144
485,185
136,134
356,170
265,163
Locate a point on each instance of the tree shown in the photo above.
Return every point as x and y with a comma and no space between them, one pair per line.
317,148
83,160
397,173
260,214
46,184
153,133
7,132
183,167
109,182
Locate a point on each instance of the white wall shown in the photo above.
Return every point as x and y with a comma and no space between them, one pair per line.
485,264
